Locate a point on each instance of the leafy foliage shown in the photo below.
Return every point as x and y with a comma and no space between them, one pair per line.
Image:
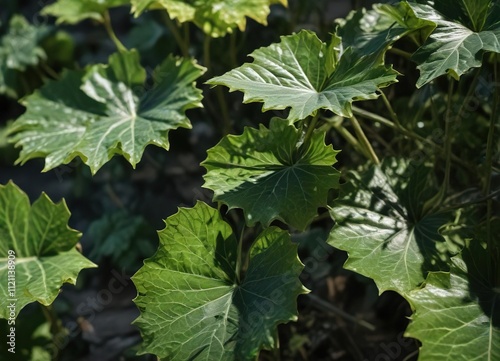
374,31
195,303
297,73
464,31
216,18
270,175
381,223
44,246
74,11
19,49
457,314
103,111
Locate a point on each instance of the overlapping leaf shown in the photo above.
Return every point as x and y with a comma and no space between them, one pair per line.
74,11
300,73
215,17
457,314
106,110
194,304
270,176
380,223
19,49
465,30
374,31
43,246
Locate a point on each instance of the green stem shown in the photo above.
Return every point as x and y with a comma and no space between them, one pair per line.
400,52
350,139
226,121
181,43
56,328
363,140
232,50
392,113
310,128
111,33
447,142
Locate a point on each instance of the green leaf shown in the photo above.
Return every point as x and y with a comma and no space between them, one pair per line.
215,17
380,222
295,74
457,314
106,110
268,174
374,31
193,304
19,50
465,30
43,246
74,11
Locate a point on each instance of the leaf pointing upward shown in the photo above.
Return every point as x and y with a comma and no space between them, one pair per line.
302,74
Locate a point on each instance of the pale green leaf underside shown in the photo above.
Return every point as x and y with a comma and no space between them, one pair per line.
74,11
44,247
192,305
295,74
267,174
457,314
215,17
379,223
465,30
106,110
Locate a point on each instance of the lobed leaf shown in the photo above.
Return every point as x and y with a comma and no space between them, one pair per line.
298,73
44,247
75,11
268,174
215,17
375,31
194,303
106,110
380,222
457,314
465,29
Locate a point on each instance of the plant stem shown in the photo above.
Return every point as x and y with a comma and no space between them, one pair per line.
232,50
400,52
447,141
56,328
181,43
350,139
392,113
363,140
111,33
310,128
226,121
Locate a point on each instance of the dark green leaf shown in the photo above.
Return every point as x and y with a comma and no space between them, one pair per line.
268,174
193,304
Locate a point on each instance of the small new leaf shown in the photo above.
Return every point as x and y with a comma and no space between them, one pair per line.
268,174
380,222
298,73
193,304
38,241
457,314
106,110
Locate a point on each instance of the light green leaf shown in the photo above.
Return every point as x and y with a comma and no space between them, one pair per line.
74,11
215,17
106,110
43,246
465,30
381,224
193,303
457,314
374,31
268,174
295,74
